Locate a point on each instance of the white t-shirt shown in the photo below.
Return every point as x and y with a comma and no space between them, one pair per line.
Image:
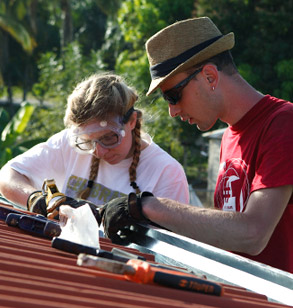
157,171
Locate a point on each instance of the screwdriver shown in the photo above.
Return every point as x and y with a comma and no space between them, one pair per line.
142,272
115,254
77,249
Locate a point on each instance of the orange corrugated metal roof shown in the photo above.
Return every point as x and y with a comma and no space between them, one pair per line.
33,274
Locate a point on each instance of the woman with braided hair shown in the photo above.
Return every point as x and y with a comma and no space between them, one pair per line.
102,154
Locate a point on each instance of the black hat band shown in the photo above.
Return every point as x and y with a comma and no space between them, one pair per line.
164,68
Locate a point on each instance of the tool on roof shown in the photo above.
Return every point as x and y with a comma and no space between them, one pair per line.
4,211
115,254
129,255
75,248
142,272
35,224
126,254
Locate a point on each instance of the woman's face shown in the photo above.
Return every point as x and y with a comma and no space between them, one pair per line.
111,144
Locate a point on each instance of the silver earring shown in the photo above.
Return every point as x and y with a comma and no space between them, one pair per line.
213,88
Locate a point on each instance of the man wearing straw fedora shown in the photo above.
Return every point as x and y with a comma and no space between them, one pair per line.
191,63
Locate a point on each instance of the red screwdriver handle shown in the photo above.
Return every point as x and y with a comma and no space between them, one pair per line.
145,273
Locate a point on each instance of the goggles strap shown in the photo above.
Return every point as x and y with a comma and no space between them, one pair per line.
127,115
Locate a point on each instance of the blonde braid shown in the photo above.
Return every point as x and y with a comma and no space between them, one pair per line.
136,152
84,194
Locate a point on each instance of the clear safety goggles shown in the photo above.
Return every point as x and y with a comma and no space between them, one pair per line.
83,141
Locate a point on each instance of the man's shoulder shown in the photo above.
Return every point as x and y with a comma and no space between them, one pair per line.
278,103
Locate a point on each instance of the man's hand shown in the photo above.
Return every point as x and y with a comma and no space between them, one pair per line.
120,213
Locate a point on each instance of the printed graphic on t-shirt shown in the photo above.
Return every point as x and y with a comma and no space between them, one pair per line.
100,194
232,189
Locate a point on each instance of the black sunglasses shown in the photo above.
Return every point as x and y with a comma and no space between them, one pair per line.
173,95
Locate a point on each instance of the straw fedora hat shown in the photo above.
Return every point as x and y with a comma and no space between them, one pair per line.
183,45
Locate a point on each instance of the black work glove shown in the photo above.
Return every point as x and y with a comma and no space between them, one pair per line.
37,203
121,213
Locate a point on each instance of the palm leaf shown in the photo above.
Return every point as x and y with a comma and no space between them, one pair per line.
17,124
18,32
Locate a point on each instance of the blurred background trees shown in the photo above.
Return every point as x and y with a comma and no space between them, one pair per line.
46,47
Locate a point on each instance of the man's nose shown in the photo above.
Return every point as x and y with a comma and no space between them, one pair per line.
101,151
174,110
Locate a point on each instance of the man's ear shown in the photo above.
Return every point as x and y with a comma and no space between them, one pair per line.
210,73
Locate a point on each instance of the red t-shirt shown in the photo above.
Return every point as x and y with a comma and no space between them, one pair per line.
256,153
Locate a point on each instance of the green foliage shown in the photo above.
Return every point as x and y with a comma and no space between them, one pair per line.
110,8
285,74
263,37
164,130
18,32
138,14
58,77
4,118
134,65
11,21
247,73
26,29
12,142
89,23
140,19
114,44
44,122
